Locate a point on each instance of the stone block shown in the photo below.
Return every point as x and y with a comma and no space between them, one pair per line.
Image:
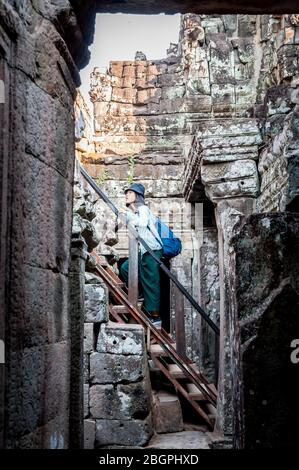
244,187
86,399
167,413
197,104
223,96
88,338
47,227
265,299
116,68
245,49
82,226
223,172
129,71
170,79
150,95
52,68
287,62
153,70
96,303
125,433
221,155
124,95
128,82
86,367
89,433
115,368
120,402
198,87
100,108
45,389
44,317
125,339
173,92
171,106
55,146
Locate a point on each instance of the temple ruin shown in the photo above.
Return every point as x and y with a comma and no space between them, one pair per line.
212,126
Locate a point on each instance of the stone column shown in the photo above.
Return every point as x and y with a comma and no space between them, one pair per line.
264,297
76,286
228,213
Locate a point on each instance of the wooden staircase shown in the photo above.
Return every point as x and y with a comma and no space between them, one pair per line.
181,372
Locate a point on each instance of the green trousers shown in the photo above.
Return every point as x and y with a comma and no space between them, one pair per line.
148,279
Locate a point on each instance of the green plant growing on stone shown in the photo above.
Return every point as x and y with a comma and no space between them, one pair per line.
131,165
103,177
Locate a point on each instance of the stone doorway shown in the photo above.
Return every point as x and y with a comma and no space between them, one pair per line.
42,48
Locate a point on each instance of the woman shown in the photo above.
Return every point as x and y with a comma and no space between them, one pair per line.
140,216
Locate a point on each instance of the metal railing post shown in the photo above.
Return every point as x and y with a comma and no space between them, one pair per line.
133,270
180,334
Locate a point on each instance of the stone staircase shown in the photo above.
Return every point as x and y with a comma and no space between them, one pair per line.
129,400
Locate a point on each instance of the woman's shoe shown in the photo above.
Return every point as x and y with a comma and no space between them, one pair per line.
156,321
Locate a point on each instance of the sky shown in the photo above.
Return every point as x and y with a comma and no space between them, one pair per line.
119,36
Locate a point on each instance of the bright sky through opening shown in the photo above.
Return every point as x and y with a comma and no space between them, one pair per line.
119,36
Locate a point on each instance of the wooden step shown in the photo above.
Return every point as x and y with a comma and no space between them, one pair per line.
194,392
177,372
123,308
120,308
212,410
157,350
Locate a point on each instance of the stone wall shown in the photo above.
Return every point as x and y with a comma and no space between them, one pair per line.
36,177
278,112
42,44
115,377
247,163
264,304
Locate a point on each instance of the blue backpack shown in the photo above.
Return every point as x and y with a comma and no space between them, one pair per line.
172,246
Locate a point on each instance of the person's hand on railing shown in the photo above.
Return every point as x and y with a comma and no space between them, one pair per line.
122,211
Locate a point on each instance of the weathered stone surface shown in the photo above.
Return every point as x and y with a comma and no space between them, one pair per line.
87,230
278,164
222,172
45,319
127,339
180,440
86,367
126,433
205,275
51,147
265,305
115,368
86,400
37,136
167,413
271,262
42,43
88,337
51,386
124,402
96,303
89,433
31,198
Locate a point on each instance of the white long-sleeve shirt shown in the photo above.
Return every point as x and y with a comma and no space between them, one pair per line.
141,220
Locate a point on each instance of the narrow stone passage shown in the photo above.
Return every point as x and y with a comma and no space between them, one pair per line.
211,132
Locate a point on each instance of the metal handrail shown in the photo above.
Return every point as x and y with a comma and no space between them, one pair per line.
161,264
